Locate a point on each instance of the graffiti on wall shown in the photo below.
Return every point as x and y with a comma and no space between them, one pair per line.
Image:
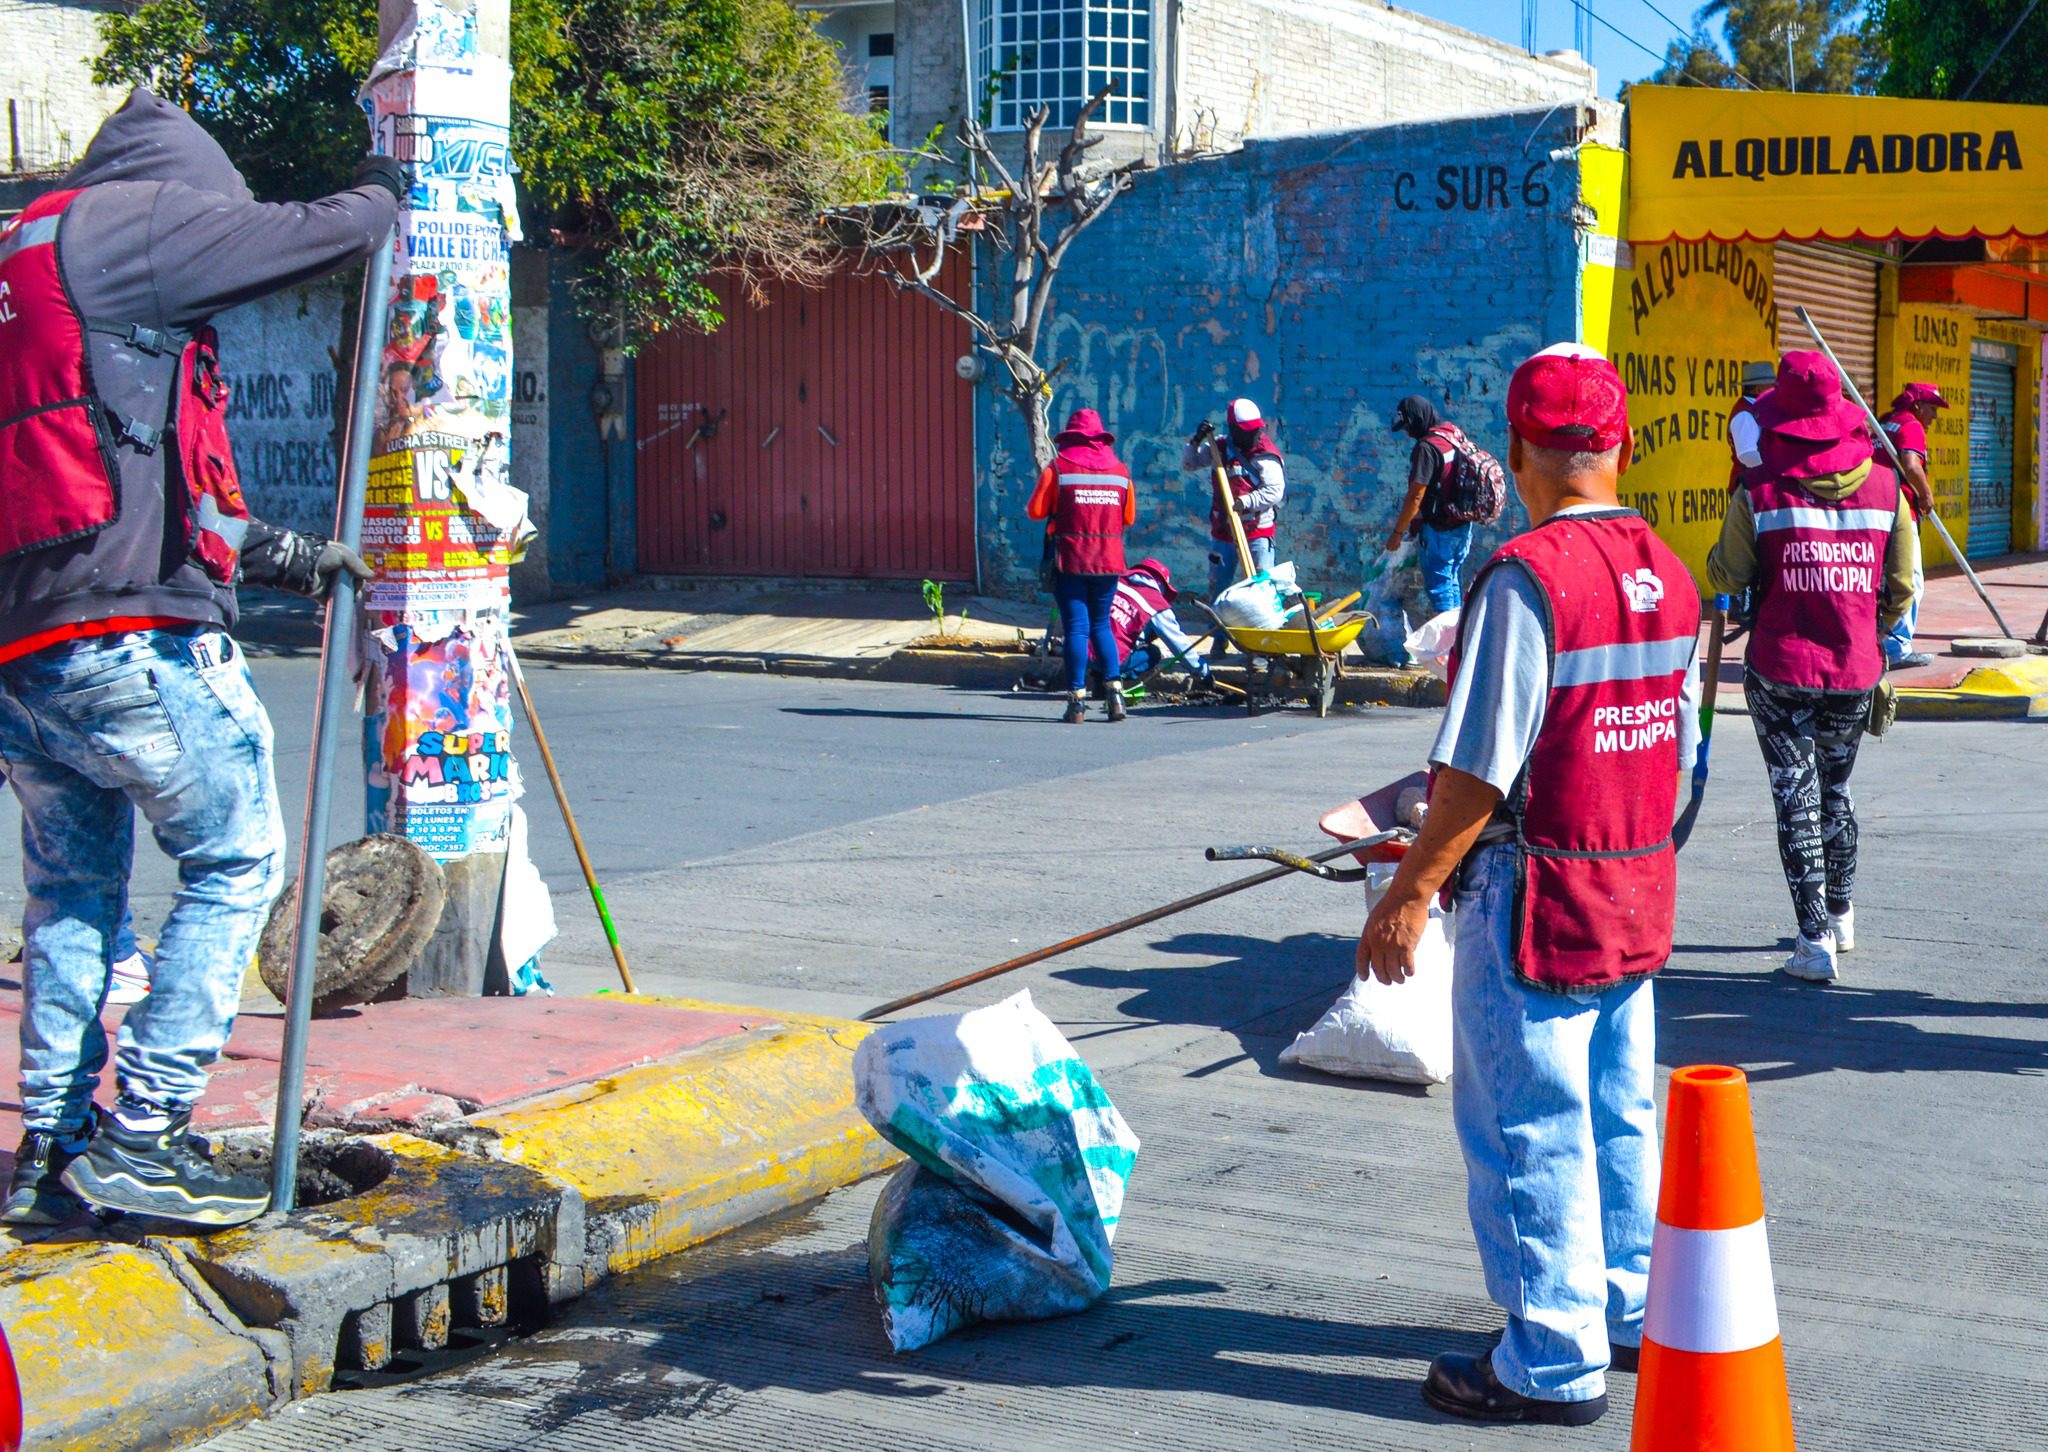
279,359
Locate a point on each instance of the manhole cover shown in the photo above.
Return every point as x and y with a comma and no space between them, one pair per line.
381,905
1995,646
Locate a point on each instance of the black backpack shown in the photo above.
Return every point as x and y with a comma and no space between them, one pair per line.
1473,490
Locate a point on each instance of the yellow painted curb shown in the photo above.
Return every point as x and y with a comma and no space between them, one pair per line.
669,1155
2015,689
116,1351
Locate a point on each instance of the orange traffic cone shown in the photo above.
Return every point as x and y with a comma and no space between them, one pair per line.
1712,1375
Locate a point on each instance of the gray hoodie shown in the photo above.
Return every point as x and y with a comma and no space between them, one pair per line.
165,236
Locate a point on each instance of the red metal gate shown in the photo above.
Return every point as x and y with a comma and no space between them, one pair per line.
825,434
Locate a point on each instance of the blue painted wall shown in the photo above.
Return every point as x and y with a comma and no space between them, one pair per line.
1324,276
584,503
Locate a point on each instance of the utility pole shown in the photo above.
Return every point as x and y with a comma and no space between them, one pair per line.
443,522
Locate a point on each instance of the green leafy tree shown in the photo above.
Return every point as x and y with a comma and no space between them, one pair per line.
1833,47
1944,49
674,138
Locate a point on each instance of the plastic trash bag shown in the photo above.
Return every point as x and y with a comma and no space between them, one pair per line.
1019,1161
1388,581
1263,602
1431,642
1376,1031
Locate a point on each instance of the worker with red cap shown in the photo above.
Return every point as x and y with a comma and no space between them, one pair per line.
1573,712
1827,535
1907,422
1258,487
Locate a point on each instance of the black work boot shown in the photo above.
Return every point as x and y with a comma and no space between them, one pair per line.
160,1172
1116,700
35,1196
1077,709
1465,1386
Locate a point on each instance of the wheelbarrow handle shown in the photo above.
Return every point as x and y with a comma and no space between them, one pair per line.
1295,862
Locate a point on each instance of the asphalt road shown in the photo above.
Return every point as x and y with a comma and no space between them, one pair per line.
1294,1249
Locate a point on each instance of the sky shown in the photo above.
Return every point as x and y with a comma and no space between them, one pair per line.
1619,57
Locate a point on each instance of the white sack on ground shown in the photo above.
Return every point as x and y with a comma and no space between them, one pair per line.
1020,1160
1431,642
1261,603
1373,1031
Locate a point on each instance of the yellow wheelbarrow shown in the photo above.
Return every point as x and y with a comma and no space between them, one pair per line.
1301,665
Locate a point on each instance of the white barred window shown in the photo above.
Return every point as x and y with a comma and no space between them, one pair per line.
1057,53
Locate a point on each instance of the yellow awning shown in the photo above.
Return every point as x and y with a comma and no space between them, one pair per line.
1768,164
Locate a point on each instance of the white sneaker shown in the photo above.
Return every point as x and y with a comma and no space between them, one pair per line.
1812,961
130,983
1845,929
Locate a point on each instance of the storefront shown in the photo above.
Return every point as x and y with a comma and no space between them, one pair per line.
1903,228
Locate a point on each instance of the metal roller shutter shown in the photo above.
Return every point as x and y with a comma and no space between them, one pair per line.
1840,290
1993,369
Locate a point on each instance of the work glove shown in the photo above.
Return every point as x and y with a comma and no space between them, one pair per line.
382,171
334,557
1202,435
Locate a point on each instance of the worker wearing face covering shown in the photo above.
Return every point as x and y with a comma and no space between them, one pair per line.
1258,486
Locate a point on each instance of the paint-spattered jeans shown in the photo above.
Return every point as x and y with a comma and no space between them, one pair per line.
167,722
1552,1094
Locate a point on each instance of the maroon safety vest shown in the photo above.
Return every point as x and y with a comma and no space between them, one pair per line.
58,474
1596,877
1820,572
1136,602
1237,469
1088,515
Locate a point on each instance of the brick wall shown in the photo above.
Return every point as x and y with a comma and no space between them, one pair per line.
1263,68
1325,277
1254,68
44,83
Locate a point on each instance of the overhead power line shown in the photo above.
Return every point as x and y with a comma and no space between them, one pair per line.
1586,8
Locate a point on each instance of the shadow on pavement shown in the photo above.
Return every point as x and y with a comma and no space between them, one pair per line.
1259,991
673,1345
1778,1028
915,715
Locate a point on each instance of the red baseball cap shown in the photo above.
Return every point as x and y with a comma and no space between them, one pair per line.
1568,397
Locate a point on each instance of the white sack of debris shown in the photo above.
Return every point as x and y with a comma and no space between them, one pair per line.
1401,1032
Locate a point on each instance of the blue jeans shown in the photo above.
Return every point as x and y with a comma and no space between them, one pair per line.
1441,555
1084,620
1223,563
1223,568
1553,1098
166,721
1898,641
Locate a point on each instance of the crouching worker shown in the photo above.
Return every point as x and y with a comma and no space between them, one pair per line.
1147,630
1572,716
122,534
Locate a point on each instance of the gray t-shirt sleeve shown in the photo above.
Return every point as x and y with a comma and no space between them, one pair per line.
1496,705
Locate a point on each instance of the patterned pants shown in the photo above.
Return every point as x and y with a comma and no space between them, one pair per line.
1809,741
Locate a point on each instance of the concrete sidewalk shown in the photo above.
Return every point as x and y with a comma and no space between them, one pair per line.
1956,687
504,1154
877,632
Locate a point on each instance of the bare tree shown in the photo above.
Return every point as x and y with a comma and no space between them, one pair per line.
1037,215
